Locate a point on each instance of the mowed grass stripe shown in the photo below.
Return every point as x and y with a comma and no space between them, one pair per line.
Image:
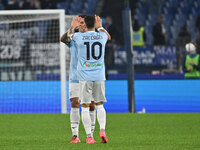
161,131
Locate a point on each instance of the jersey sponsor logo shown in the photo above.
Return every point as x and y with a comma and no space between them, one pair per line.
91,65
85,64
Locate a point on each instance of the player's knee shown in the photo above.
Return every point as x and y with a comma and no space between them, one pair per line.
85,105
75,103
99,103
92,106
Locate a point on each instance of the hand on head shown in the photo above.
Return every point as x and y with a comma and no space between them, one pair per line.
76,22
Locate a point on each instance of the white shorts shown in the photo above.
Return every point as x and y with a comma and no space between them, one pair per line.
73,90
92,90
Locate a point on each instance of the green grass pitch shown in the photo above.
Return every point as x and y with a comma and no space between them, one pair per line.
170,131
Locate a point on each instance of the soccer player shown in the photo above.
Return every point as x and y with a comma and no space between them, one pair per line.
91,73
79,25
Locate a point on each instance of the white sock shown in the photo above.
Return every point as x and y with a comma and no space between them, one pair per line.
75,119
93,120
101,116
86,120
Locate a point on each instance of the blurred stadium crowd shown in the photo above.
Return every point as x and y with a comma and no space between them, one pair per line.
160,22
178,15
70,6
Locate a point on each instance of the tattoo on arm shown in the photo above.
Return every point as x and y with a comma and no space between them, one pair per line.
66,37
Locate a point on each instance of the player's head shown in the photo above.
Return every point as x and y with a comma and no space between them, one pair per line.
136,25
89,21
82,26
161,19
82,16
108,20
190,48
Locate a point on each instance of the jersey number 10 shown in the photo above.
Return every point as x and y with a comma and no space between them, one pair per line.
93,50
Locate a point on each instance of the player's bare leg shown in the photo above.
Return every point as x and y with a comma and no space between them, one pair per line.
92,116
87,123
75,119
101,117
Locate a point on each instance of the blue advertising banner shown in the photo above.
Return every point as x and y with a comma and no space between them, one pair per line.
144,56
165,55
153,96
157,55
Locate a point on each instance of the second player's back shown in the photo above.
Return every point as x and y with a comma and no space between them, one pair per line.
91,50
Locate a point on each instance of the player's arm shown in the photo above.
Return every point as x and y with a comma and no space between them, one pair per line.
98,26
66,37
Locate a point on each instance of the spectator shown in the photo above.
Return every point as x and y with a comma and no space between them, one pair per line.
198,22
24,4
183,38
159,32
191,62
32,4
12,5
48,4
37,4
109,52
139,35
111,29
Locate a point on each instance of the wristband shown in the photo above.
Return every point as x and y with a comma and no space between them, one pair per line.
101,28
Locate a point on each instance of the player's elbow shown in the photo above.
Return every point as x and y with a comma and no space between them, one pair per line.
62,40
109,38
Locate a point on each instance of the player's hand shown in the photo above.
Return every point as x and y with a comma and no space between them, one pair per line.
191,63
98,22
75,22
189,69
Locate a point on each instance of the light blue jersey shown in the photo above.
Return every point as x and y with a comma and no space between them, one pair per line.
91,51
73,77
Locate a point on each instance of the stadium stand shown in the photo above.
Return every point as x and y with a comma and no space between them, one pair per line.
71,6
76,7
176,13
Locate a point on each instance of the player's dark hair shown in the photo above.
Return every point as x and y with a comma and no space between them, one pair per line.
89,21
76,30
82,16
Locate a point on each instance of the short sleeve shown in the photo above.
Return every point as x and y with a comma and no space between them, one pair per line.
74,36
70,44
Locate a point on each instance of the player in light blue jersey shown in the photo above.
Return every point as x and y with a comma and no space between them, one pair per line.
77,24
91,55
91,73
